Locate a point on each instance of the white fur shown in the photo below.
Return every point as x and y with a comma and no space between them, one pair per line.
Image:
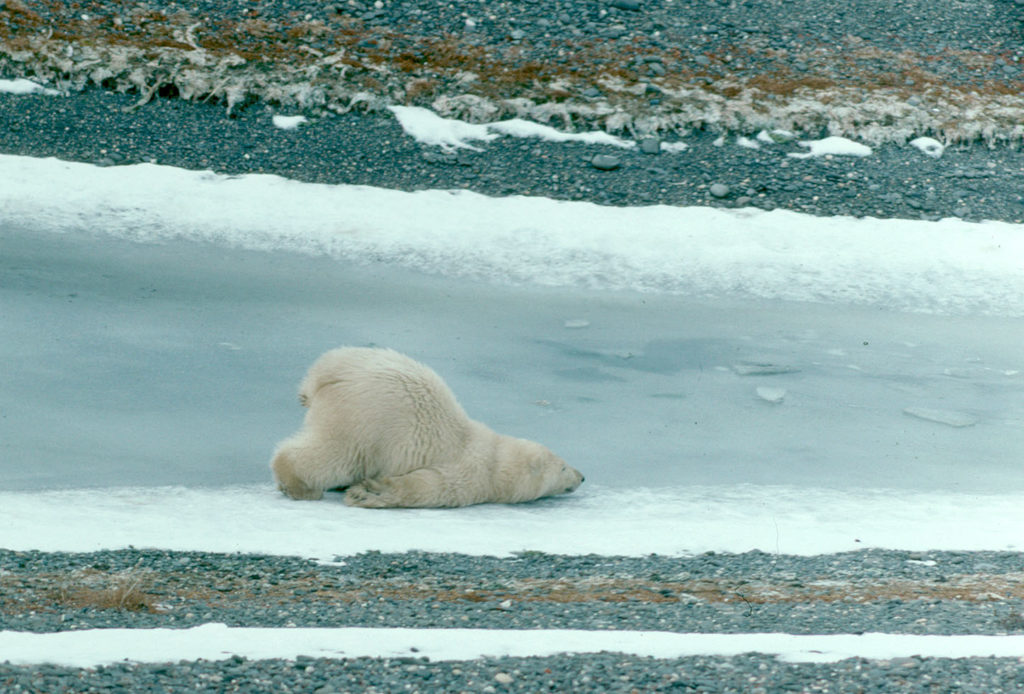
389,429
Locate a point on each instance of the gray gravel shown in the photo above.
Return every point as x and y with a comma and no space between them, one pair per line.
969,181
889,591
749,674
799,55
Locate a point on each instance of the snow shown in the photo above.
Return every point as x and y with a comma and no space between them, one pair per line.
518,127
449,133
834,145
288,122
951,266
633,521
674,147
23,86
95,647
928,145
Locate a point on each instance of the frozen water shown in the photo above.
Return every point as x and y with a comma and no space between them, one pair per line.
772,395
953,419
178,362
161,344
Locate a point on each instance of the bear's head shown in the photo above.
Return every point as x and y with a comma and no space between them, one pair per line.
538,472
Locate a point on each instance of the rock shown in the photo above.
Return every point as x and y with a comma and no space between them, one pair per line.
631,5
650,145
606,162
719,190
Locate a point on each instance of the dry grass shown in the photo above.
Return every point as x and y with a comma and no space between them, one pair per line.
342,63
141,590
123,591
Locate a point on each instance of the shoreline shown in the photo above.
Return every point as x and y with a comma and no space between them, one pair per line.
970,182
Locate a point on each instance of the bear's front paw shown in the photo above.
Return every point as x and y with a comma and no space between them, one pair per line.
301,492
370,493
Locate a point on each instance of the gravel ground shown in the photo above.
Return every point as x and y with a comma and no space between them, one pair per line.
194,84
124,109
898,592
889,591
970,181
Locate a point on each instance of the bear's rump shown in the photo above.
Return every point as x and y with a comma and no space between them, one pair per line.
391,430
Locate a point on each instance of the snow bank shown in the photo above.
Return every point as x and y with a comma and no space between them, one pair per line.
428,128
23,86
837,146
949,266
95,647
633,522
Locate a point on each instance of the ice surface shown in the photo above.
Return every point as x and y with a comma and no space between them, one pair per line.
953,419
772,395
157,343
95,647
178,363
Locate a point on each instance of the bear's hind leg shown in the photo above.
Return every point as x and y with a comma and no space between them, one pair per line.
423,488
289,482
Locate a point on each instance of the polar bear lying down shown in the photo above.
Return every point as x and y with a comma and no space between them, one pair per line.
389,429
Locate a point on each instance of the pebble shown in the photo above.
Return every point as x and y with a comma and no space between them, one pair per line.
606,162
630,5
719,190
650,145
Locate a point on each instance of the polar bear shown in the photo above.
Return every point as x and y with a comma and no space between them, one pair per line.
389,429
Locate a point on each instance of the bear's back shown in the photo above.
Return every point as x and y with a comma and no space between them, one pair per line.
393,406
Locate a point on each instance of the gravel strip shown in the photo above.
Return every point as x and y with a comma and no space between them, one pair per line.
863,68
897,592
871,590
195,85
749,674
971,182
